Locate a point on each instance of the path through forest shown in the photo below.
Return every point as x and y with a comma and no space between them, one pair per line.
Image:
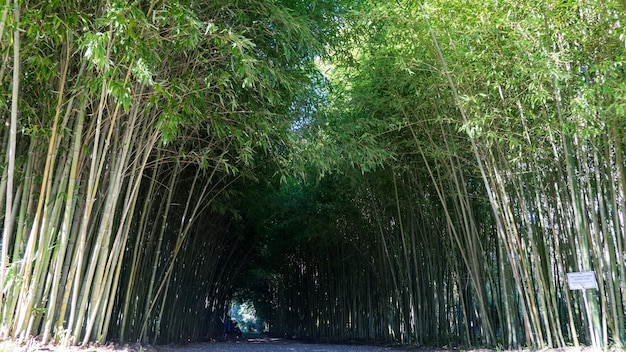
287,345
266,344
244,345
254,344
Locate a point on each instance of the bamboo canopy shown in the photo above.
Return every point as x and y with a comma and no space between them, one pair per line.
422,173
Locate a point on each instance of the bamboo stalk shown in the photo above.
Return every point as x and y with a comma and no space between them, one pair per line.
8,218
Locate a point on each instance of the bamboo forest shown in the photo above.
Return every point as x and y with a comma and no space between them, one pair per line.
417,172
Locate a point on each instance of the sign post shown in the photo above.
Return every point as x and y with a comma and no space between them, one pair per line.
583,281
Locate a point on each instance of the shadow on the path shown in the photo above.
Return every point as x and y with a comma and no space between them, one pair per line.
261,339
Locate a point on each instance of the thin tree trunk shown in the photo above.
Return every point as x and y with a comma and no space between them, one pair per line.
8,212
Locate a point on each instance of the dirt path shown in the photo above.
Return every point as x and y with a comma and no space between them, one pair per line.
269,345
257,344
266,344
251,344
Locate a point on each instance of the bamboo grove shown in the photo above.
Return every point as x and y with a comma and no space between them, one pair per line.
128,125
415,172
506,123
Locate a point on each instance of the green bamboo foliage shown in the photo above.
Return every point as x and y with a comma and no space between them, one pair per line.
134,129
121,108
504,122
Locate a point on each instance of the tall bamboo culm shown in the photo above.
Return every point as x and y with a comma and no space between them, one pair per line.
507,123
103,141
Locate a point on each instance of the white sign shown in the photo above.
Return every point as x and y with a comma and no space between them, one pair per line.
582,280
